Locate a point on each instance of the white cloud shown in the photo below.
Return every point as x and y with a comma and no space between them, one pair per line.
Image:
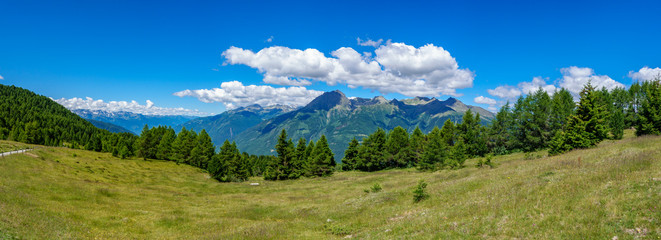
536,84
644,74
485,100
396,68
270,39
489,101
370,42
116,106
2,78
234,94
506,92
574,78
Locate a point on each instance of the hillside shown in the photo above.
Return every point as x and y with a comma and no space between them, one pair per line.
133,121
31,118
612,190
108,126
340,119
229,124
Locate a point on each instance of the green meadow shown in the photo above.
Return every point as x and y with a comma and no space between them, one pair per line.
607,192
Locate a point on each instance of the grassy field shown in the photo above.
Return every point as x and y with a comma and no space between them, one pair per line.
8,146
612,190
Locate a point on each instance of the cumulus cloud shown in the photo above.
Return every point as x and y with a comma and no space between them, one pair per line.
270,39
506,92
234,94
370,42
485,100
489,101
574,78
124,106
536,84
644,74
396,68
2,78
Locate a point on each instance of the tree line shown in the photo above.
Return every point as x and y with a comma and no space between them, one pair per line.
536,121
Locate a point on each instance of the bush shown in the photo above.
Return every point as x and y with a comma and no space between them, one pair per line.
419,193
375,188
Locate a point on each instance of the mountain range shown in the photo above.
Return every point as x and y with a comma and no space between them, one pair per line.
134,122
229,124
255,128
341,119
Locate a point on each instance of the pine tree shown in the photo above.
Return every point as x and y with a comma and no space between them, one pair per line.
562,106
322,159
164,149
372,152
417,144
398,140
299,160
499,141
620,98
179,151
592,113
350,155
435,155
649,120
206,149
448,133
282,169
585,128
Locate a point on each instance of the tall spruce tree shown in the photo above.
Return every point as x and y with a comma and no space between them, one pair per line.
164,148
500,131
299,160
417,144
435,153
649,120
373,152
322,159
282,169
398,141
350,156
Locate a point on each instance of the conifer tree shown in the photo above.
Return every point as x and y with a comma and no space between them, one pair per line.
417,144
164,149
592,113
500,131
435,153
299,160
398,141
448,133
350,155
562,106
649,120
373,152
322,159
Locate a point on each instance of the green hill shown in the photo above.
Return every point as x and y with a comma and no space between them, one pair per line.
599,193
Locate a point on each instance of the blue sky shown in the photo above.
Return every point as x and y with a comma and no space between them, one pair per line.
130,50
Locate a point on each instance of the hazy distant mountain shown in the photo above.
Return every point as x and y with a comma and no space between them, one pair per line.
133,121
229,124
341,119
108,126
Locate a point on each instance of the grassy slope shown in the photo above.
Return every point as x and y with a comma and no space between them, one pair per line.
612,190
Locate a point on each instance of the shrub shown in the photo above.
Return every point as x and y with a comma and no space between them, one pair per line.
420,193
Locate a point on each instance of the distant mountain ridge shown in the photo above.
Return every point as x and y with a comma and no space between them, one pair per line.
132,121
341,118
109,126
229,124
